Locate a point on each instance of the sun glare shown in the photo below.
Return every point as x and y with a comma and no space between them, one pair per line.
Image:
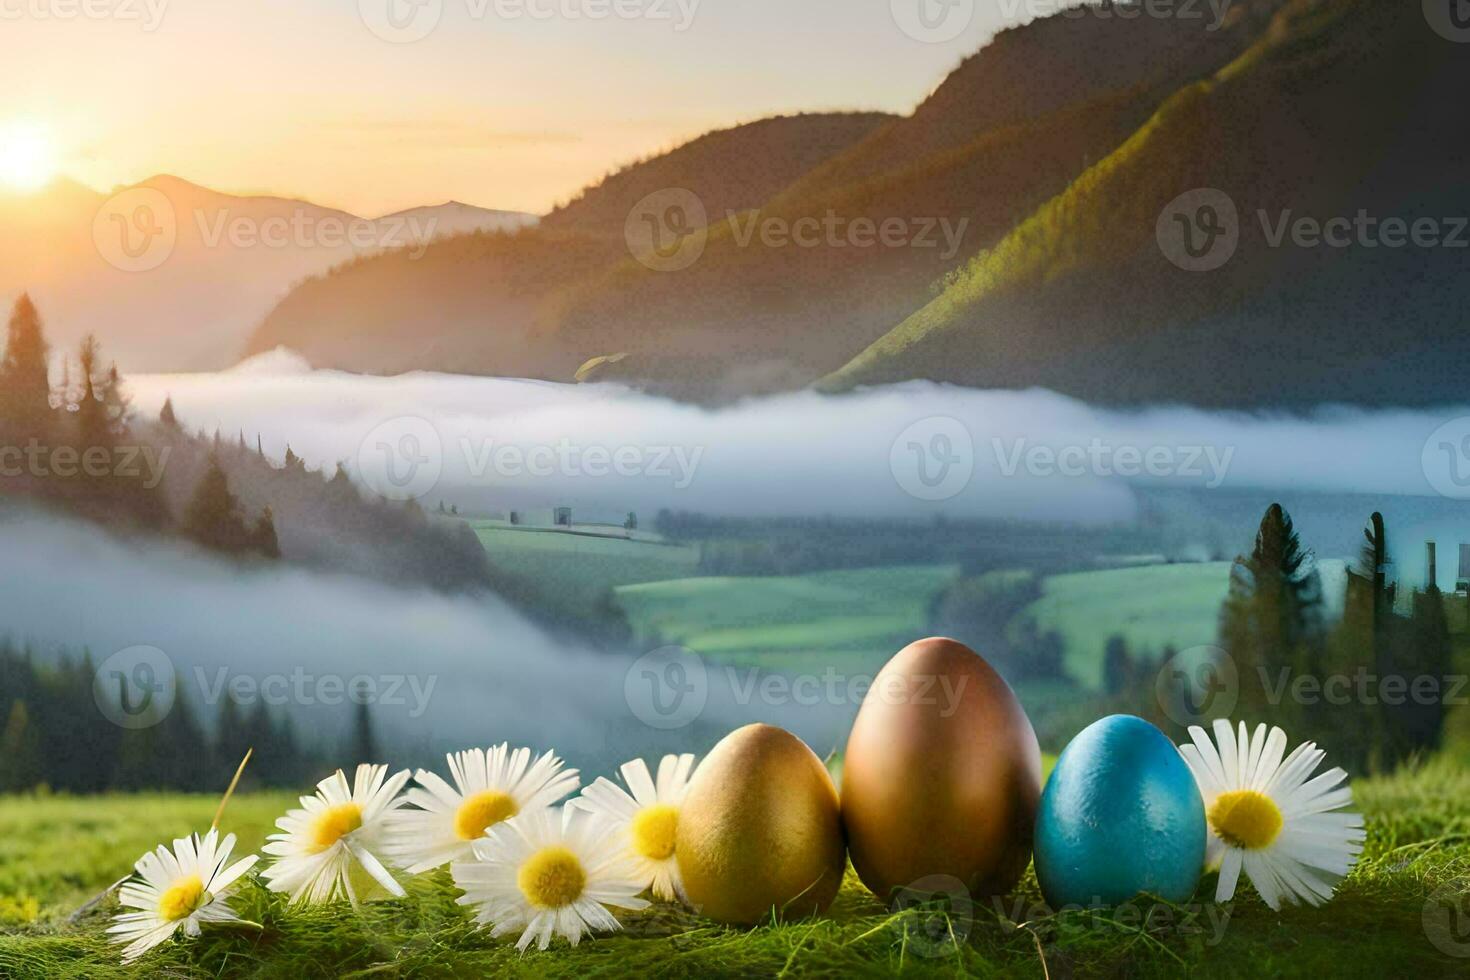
27,158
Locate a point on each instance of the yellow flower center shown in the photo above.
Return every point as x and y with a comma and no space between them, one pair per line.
552,878
182,900
653,831
1244,818
483,810
334,824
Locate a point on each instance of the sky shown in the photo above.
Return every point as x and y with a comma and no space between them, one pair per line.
513,104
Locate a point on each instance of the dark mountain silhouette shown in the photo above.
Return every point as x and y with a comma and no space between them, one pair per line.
1047,159
1340,107
733,169
489,303
1007,130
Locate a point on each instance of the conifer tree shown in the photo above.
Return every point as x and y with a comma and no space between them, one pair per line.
1271,620
1117,665
264,535
25,386
213,517
364,743
22,765
94,428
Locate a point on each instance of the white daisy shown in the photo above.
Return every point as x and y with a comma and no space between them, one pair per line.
178,889
336,829
489,786
647,819
549,872
1286,829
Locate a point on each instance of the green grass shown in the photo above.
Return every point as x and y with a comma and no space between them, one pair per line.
572,573
1151,606
62,851
856,618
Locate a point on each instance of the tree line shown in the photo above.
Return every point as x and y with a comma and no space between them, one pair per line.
71,443
1373,685
53,735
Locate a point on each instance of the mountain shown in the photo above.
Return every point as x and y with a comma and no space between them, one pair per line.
488,303
1006,131
733,169
1037,201
1338,110
176,275
454,218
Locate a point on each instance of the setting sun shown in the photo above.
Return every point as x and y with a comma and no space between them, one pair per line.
27,158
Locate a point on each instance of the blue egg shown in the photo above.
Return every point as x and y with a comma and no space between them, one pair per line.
1120,815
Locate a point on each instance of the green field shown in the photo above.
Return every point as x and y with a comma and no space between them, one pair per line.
571,574
797,623
57,853
1151,606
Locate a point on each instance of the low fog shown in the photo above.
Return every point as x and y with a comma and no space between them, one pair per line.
798,454
474,671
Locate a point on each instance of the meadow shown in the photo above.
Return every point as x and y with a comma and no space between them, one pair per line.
859,618
1150,606
1392,916
855,619
564,575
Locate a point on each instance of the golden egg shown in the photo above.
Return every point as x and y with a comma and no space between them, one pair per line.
759,830
942,774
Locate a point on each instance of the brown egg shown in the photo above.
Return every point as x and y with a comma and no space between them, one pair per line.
942,774
759,829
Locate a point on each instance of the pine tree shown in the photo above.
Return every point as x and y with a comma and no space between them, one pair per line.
22,766
25,385
213,518
263,536
166,414
1117,665
116,400
94,428
364,743
231,739
1271,619
183,756
1413,723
